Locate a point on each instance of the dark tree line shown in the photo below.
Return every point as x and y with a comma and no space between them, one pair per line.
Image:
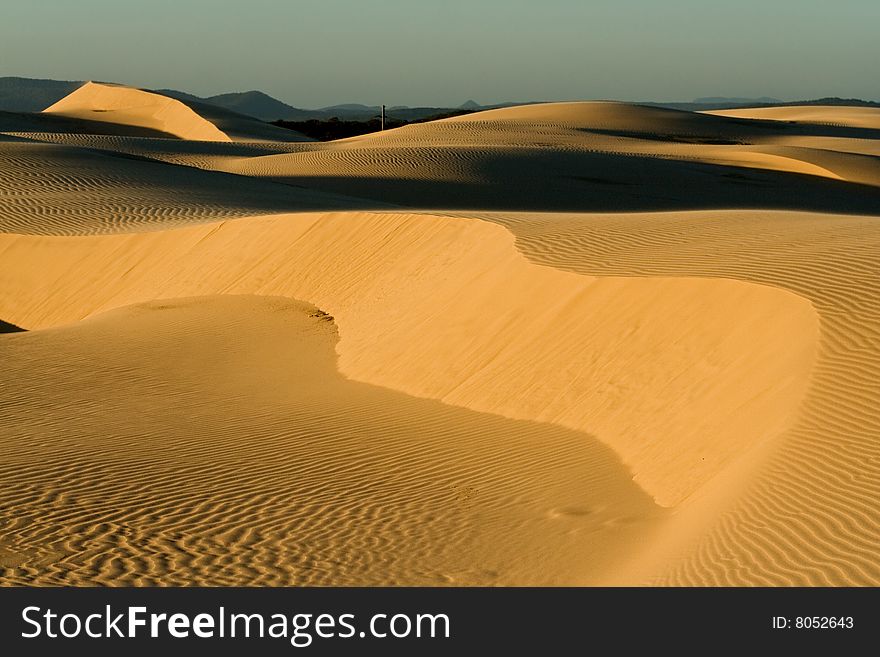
334,128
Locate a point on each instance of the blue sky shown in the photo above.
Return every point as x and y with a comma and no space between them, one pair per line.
312,53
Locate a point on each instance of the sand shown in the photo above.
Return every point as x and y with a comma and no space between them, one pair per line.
53,189
138,108
314,479
582,157
851,117
601,344
448,309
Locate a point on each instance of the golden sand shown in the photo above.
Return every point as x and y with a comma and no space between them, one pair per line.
602,344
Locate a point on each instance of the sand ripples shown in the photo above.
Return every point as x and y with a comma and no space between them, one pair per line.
331,486
811,516
63,190
315,480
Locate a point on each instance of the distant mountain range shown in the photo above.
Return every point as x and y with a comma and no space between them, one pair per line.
253,103
31,95
34,95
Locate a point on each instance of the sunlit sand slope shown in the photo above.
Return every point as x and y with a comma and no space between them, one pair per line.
727,357
851,117
679,376
213,441
117,104
587,156
807,511
113,103
59,126
53,189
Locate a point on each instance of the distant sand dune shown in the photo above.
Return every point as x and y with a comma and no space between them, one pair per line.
447,309
727,355
832,144
199,154
52,189
852,117
581,157
60,126
117,104
563,157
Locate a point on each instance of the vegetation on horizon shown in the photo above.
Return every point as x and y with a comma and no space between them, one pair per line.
334,128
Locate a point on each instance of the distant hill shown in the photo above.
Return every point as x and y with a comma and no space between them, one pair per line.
256,104
180,95
31,95
351,107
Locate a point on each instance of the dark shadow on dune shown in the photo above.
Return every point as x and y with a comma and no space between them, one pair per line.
504,179
355,472
6,327
683,124
761,127
742,131
143,193
55,123
535,180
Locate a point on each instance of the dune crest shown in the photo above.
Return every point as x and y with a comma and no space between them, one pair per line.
803,512
584,156
851,117
448,309
111,103
690,298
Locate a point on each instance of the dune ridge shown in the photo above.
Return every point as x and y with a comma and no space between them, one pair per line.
723,349
851,117
124,105
56,189
585,156
809,514
447,309
201,155
101,102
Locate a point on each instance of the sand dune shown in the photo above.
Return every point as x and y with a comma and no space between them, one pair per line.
447,309
570,156
53,189
803,511
852,117
850,166
117,104
112,103
592,368
198,154
314,480
581,157
57,126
